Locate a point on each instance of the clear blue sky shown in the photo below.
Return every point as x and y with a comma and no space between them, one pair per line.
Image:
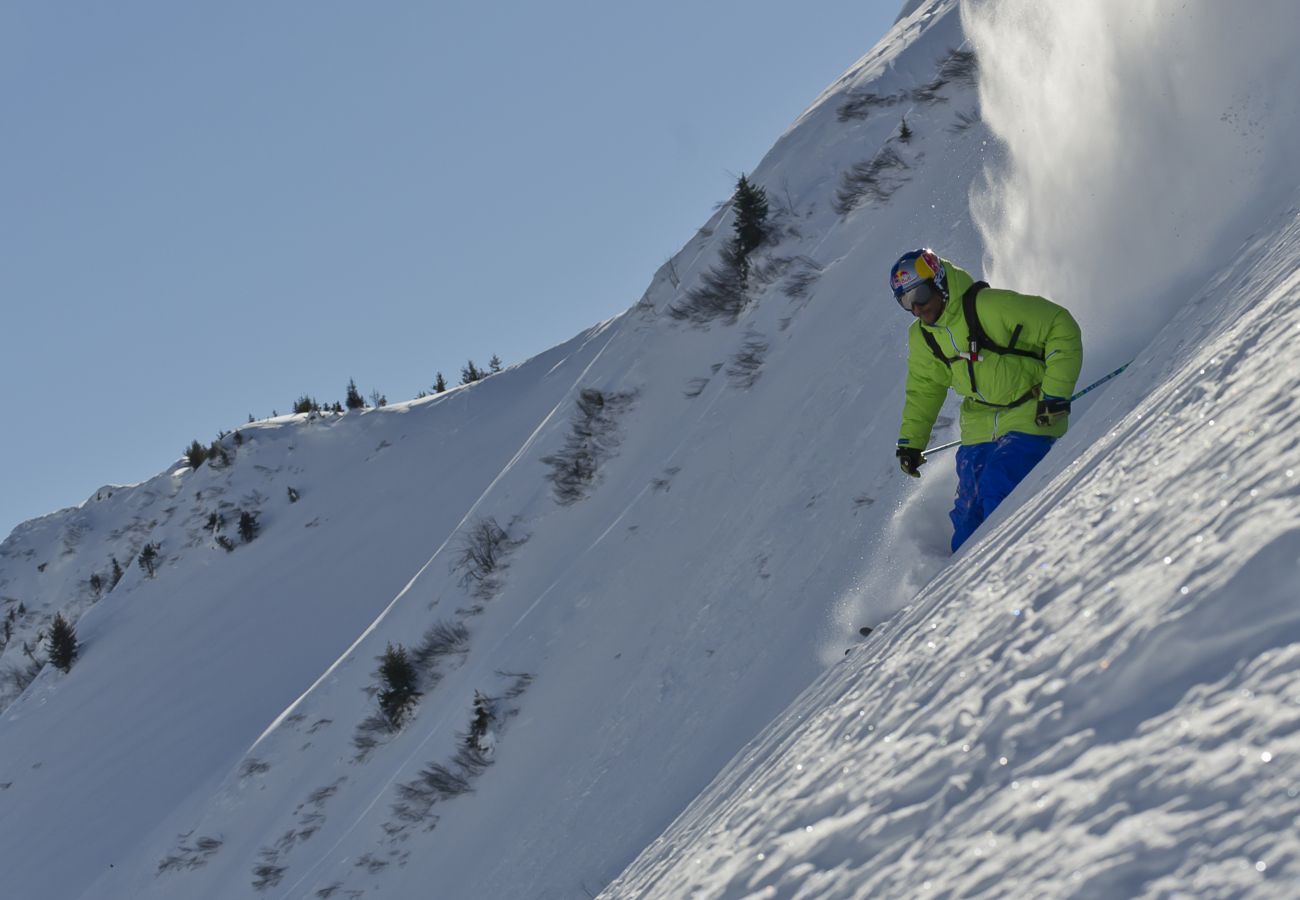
207,210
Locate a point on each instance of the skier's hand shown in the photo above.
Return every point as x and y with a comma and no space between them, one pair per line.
910,460
1050,409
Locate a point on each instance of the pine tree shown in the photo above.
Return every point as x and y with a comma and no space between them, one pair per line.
399,680
149,559
218,456
62,644
750,227
354,399
494,364
305,404
117,574
196,454
470,373
904,132
248,527
482,721
440,384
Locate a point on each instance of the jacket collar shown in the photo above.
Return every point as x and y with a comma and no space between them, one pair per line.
958,281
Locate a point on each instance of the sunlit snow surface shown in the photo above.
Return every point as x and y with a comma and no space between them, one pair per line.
1094,698
1101,699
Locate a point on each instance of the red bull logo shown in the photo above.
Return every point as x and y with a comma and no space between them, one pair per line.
902,277
923,265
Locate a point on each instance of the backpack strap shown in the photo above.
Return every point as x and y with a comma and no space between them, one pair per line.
979,338
980,341
934,348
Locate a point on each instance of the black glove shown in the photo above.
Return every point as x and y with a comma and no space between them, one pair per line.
910,460
1050,409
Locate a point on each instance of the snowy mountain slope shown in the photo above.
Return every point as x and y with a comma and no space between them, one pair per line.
646,613
1114,716
745,516
181,672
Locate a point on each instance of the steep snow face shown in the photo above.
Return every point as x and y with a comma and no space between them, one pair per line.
1101,698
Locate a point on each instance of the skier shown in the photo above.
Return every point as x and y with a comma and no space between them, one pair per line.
1015,359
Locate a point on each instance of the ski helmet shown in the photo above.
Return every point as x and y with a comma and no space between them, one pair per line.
916,268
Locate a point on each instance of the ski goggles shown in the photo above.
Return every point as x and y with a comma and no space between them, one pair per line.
920,295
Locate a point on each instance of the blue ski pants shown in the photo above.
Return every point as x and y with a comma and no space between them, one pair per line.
986,473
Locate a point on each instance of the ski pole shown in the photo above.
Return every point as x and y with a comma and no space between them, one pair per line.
1096,384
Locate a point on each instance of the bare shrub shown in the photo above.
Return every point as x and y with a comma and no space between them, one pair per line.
799,282
593,438
722,293
474,752
189,855
859,104
960,65
481,557
253,766
963,121
874,180
748,362
928,93
267,876
765,272
443,639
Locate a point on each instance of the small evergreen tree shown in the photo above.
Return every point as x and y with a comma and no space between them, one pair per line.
248,527
149,559
117,574
354,399
751,226
904,132
305,404
440,384
470,373
494,364
399,680
196,454
218,455
481,723
63,643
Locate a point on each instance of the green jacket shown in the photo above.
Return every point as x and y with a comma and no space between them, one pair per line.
1001,378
